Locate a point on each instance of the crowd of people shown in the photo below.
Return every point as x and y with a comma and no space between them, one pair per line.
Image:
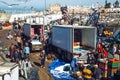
95,73
19,52
108,51
85,71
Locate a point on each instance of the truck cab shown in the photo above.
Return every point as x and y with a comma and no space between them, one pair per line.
33,33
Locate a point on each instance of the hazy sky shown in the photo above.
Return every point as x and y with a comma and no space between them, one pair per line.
40,4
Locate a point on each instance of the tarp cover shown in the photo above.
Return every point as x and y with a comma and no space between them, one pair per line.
56,70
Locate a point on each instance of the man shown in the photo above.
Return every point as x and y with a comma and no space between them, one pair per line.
43,56
80,65
26,50
73,63
114,49
26,66
12,49
19,41
97,73
114,52
105,52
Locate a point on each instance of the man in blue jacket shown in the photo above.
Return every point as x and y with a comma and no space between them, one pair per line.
26,50
73,63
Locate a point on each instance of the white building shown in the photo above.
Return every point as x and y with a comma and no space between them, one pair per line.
21,16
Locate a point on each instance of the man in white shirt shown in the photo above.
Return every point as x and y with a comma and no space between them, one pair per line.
26,66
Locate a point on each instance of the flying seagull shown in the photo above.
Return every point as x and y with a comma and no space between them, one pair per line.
9,5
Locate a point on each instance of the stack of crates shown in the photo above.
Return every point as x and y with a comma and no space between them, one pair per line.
113,66
76,45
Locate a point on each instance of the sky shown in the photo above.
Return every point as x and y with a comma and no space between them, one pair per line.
41,4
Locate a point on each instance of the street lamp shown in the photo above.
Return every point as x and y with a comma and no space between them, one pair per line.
44,20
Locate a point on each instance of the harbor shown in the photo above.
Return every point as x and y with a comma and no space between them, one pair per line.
60,42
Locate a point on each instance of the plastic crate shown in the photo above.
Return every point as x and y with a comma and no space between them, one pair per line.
113,64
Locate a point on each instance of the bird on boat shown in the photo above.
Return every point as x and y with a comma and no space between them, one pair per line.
9,5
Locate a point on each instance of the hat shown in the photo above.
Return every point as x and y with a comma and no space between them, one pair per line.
81,62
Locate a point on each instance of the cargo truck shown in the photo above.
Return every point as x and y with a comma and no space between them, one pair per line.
30,31
67,40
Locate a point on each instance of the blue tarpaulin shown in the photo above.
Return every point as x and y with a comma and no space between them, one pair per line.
56,70
56,63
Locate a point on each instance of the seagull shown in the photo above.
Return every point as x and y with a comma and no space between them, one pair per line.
9,5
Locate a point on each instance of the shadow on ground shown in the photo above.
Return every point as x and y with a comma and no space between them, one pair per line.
37,64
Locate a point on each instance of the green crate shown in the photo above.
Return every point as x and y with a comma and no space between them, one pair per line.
113,65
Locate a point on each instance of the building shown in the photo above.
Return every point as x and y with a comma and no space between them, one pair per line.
107,5
55,8
116,4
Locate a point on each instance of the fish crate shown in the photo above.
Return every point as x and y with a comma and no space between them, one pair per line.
113,63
